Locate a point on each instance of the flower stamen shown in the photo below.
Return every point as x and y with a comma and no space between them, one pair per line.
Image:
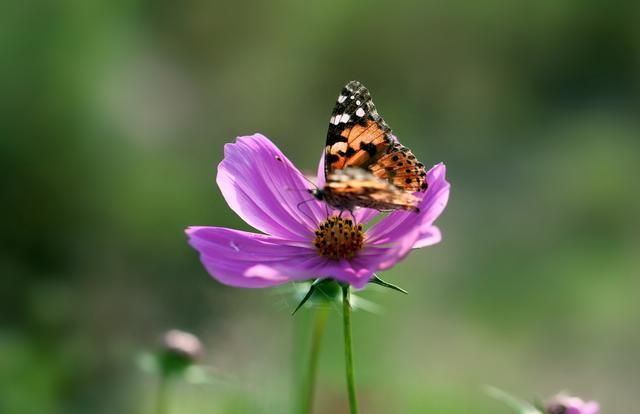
339,238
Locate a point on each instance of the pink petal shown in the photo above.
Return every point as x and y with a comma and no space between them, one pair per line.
250,260
265,189
591,407
347,271
320,179
364,215
574,405
429,235
389,255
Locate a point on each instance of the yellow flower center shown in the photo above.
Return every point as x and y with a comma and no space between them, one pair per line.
338,238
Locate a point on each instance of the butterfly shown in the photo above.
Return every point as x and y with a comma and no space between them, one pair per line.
365,165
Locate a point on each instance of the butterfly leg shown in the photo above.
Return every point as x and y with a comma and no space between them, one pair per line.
355,223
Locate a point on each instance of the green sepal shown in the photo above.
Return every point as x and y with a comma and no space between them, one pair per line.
376,280
320,291
172,363
164,363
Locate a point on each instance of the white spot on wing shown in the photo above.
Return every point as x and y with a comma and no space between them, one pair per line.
341,98
360,112
358,102
335,120
345,118
352,97
339,146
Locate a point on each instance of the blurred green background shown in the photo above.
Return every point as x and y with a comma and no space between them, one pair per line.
113,119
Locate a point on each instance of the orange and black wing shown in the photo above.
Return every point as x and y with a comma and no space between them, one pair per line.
401,168
359,137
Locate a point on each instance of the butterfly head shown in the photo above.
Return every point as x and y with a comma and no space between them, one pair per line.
317,193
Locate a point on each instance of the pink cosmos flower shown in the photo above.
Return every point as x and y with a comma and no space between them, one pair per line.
266,190
565,404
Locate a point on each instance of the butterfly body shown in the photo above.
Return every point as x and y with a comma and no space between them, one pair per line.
355,187
365,165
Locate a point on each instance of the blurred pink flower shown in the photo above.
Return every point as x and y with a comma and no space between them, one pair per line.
183,343
265,189
565,404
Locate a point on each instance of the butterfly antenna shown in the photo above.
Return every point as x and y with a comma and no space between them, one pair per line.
301,211
314,185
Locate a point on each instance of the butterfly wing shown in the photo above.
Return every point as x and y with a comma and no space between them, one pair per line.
401,168
357,187
359,137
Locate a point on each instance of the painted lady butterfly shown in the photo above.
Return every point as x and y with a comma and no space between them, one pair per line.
365,166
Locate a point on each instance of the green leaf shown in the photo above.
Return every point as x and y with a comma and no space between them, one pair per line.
376,280
522,407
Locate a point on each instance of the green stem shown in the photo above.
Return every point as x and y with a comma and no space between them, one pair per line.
306,405
162,396
348,351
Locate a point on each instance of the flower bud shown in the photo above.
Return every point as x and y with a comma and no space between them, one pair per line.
180,350
565,404
183,343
